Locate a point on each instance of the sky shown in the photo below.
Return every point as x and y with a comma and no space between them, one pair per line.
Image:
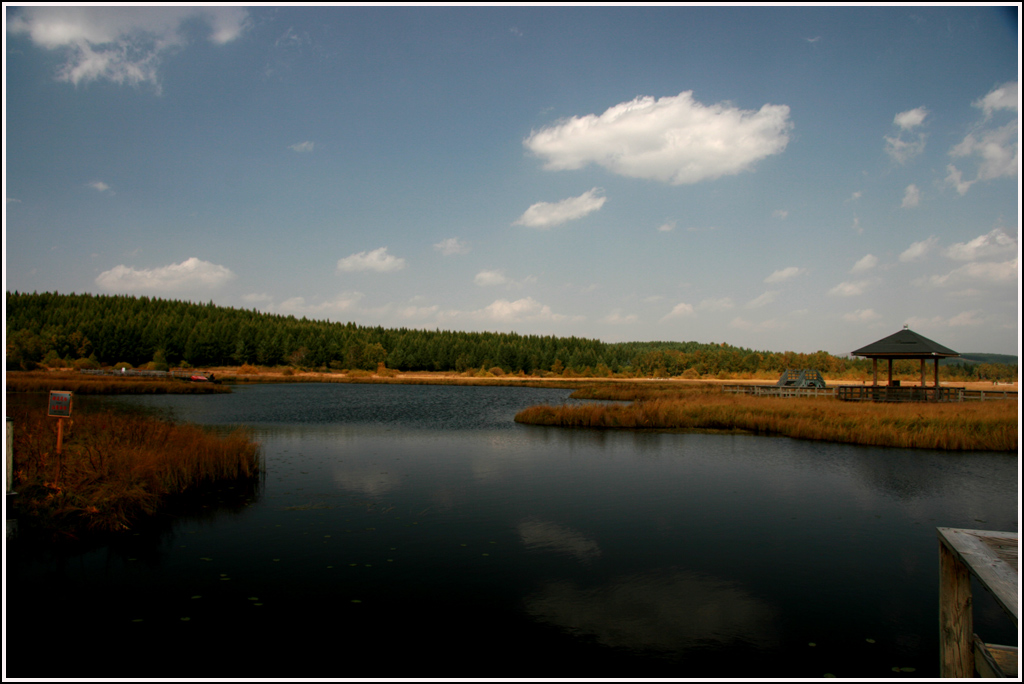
777,178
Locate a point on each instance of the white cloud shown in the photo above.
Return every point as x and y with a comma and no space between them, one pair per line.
911,197
344,302
763,299
910,118
901,151
192,273
489,278
378,260
720,304
417,313
548,214
997,149
679,310
306,146
994,243
452,246
667,227
857,228
965,318
257,298
922,323
995,273
1005,96
861,316
918,250
99,186
616,317
994,148
850,288
673,139
124,45
780,214
784,274
865,263
526,309
955,177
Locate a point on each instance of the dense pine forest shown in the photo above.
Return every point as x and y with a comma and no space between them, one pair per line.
83,331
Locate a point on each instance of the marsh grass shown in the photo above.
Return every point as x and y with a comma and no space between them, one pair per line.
983,426
43,381
115,467
617,391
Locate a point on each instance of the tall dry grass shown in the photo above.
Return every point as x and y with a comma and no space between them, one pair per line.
115,467
983,426
647,391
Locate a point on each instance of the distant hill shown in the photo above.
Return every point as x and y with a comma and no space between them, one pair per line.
974,357
83,330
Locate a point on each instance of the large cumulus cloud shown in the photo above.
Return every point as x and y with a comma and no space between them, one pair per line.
673,139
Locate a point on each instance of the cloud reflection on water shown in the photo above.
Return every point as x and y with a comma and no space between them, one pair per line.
663,610
370,480
549,536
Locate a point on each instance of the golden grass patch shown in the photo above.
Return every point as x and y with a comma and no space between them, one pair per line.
983,426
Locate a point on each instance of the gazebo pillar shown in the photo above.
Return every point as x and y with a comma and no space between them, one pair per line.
936,371
923,375
874,371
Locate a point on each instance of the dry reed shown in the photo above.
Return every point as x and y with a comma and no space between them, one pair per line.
983,426
115,467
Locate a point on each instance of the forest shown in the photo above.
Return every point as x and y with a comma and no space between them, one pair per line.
91,331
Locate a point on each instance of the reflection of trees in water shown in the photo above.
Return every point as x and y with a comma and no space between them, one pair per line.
664,610
548,536
150,537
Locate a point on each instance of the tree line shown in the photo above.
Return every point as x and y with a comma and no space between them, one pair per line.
83,330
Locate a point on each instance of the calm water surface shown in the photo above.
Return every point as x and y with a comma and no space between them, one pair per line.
418,531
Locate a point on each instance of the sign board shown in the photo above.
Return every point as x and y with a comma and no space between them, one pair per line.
60,404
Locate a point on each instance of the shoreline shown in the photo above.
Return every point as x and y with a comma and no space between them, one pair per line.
227,376
230,376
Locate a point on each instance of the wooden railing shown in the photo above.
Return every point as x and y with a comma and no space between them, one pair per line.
898,394
991,557
989,395
874,393
776,391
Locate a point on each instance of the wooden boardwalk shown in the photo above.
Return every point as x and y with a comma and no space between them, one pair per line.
881,393
776,391
991,557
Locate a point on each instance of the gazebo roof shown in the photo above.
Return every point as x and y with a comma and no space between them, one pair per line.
905,344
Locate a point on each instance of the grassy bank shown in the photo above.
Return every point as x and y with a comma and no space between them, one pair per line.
985,426
44,381
114,467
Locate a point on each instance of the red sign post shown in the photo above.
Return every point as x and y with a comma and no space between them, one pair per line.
60,407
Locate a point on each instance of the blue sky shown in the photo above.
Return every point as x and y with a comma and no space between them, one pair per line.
776,178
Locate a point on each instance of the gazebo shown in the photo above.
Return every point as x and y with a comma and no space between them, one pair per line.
905,344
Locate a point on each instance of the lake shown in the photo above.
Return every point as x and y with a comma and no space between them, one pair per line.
417,531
